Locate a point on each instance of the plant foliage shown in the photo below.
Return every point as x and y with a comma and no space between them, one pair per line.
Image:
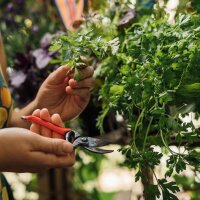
151,78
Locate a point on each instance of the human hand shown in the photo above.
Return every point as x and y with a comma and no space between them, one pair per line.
64,95
24,151
55,119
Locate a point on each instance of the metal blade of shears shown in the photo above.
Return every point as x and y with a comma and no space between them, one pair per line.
97,150
90,142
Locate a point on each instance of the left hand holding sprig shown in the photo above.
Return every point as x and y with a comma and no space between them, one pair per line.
64,95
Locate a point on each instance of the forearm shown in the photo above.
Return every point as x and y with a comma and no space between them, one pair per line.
16,121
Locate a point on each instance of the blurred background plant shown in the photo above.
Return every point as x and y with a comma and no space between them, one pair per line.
28,28
27,36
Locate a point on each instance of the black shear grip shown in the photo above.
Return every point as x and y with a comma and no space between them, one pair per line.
72,136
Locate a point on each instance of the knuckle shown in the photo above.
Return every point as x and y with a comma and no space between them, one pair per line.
55,146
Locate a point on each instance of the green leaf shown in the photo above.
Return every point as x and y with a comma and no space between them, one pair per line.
138,175
152,191
55,47
116,89
190,90
77,74
168,189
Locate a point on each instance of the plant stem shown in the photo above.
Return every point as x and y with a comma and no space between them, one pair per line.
146,134
135,129
167,147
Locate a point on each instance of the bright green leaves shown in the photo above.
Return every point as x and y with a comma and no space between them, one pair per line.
150,76
157,68
168,189
152,191
193,158
195,5
145,159
151,158
148,160
116,89
175,162
163,189
125,70
190,90
73,46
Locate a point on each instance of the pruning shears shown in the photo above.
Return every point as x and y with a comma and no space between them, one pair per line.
72,136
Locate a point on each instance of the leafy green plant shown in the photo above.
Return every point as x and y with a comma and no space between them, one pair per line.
151,78
75,45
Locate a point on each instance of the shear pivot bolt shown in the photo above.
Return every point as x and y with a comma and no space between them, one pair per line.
84,139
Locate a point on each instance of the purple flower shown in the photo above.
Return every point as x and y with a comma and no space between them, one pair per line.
17,78
42,58
46,40
9,7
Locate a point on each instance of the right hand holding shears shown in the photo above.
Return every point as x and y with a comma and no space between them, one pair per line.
24,151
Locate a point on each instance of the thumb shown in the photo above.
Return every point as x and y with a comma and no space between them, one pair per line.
58,76
54,146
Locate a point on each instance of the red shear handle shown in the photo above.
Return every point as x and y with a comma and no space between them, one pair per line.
46,124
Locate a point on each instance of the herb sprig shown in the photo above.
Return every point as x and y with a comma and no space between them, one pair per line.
73,46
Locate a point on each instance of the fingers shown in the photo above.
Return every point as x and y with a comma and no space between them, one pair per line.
44,114
34,127
82,87
52,161
83,93
86,73
56,119
58,76
84,59
85,83
64,161
53,146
